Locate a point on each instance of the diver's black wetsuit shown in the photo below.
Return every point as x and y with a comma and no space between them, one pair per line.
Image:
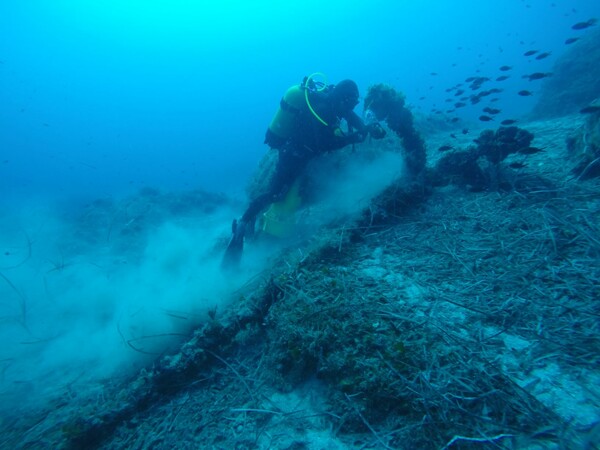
308,139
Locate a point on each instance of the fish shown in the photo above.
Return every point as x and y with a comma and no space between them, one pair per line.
530,150
455,119
460,105
584,25
476,82
477,98
530,52
571,40
502,78
505,68
459,92
489,110
590,109
543,55
508,122
537,76
525,93
465,131
517,165
453,136
485,118
445,148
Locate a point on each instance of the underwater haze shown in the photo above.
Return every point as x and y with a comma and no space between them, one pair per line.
105,97
130,129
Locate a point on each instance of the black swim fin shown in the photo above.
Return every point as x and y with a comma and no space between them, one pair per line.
233,253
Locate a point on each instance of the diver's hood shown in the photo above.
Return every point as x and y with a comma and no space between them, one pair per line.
344,95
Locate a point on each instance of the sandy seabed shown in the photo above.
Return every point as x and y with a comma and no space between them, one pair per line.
459,319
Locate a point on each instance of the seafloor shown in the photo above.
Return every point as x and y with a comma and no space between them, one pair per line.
447,318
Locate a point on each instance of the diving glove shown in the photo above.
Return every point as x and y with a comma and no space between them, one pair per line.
376,131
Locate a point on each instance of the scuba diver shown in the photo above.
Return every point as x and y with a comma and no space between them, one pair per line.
306,125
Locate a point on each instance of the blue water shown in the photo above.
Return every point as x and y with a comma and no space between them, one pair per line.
99,99
103,97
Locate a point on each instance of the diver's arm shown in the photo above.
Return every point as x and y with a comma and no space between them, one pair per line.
340,139
374,129
356,123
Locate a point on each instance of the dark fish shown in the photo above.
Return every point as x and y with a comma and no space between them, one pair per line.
537,76
525,93
530,52
517,165
476,82
421,98
465,131
459,92
508,122
571,40
543,55
455,119
505,68
502,78
453,136
459,104
477,98
485,118
433,74
584,25
590,109
529,150
489,110
445,148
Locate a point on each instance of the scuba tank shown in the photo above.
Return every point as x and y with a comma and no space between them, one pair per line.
294,102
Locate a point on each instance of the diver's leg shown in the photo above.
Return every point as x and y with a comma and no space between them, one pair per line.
240,229
285,174
233,252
